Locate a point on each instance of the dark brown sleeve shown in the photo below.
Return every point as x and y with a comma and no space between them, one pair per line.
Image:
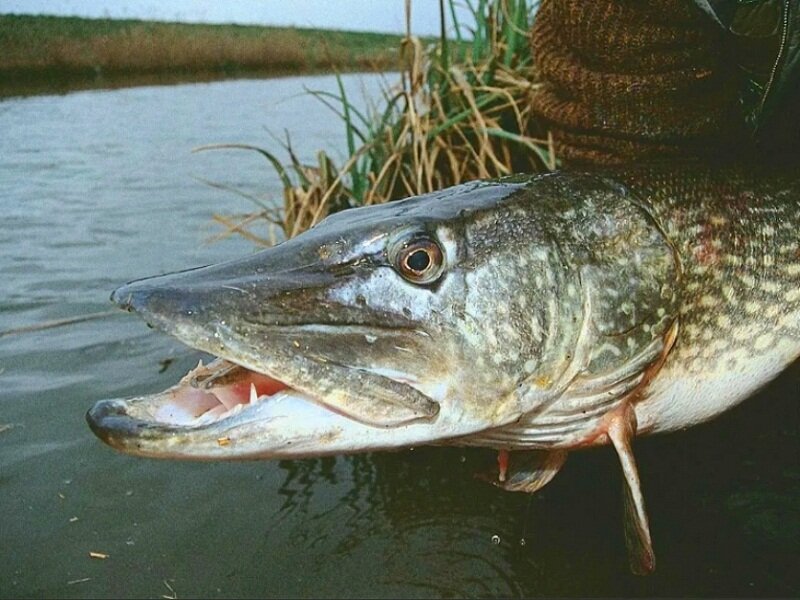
626,80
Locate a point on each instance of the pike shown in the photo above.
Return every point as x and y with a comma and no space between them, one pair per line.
535,315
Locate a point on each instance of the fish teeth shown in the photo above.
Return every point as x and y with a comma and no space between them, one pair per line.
230,413
253,393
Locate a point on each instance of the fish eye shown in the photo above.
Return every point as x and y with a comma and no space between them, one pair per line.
420,261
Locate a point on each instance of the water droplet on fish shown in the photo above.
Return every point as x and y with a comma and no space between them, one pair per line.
495,539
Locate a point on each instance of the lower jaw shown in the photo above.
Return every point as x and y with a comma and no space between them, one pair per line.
226,412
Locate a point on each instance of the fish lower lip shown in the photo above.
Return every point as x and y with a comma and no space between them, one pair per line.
109,420
198,417
284,425
208,394
225,411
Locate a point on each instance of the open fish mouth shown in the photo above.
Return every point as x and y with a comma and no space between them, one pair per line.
224,410
210,407
208,394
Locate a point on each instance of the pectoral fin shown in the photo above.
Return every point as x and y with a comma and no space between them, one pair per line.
530,470
621,429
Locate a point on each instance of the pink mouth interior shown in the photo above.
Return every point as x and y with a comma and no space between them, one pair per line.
209,393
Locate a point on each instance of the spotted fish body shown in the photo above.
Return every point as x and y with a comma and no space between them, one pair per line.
738,241
534,314
698,274
704,318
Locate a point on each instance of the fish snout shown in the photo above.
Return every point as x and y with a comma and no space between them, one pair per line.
199,298
273,280
167,301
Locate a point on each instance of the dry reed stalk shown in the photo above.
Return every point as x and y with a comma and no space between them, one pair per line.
461,112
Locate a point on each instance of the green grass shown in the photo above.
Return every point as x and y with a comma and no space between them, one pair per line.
42,45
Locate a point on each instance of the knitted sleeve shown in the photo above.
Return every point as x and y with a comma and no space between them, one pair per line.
625,80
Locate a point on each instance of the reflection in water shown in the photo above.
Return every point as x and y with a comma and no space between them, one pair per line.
405,514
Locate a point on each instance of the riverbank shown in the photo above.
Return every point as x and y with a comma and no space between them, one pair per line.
43,49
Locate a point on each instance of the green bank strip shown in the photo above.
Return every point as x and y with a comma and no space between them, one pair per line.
36,46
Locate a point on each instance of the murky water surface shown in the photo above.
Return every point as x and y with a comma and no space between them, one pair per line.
100,187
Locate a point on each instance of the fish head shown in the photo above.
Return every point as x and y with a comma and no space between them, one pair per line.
384,326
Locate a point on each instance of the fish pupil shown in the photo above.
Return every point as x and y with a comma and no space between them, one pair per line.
418,260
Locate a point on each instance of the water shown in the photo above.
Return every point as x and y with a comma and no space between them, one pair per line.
97,188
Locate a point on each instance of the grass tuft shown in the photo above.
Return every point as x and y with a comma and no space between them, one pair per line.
461,111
